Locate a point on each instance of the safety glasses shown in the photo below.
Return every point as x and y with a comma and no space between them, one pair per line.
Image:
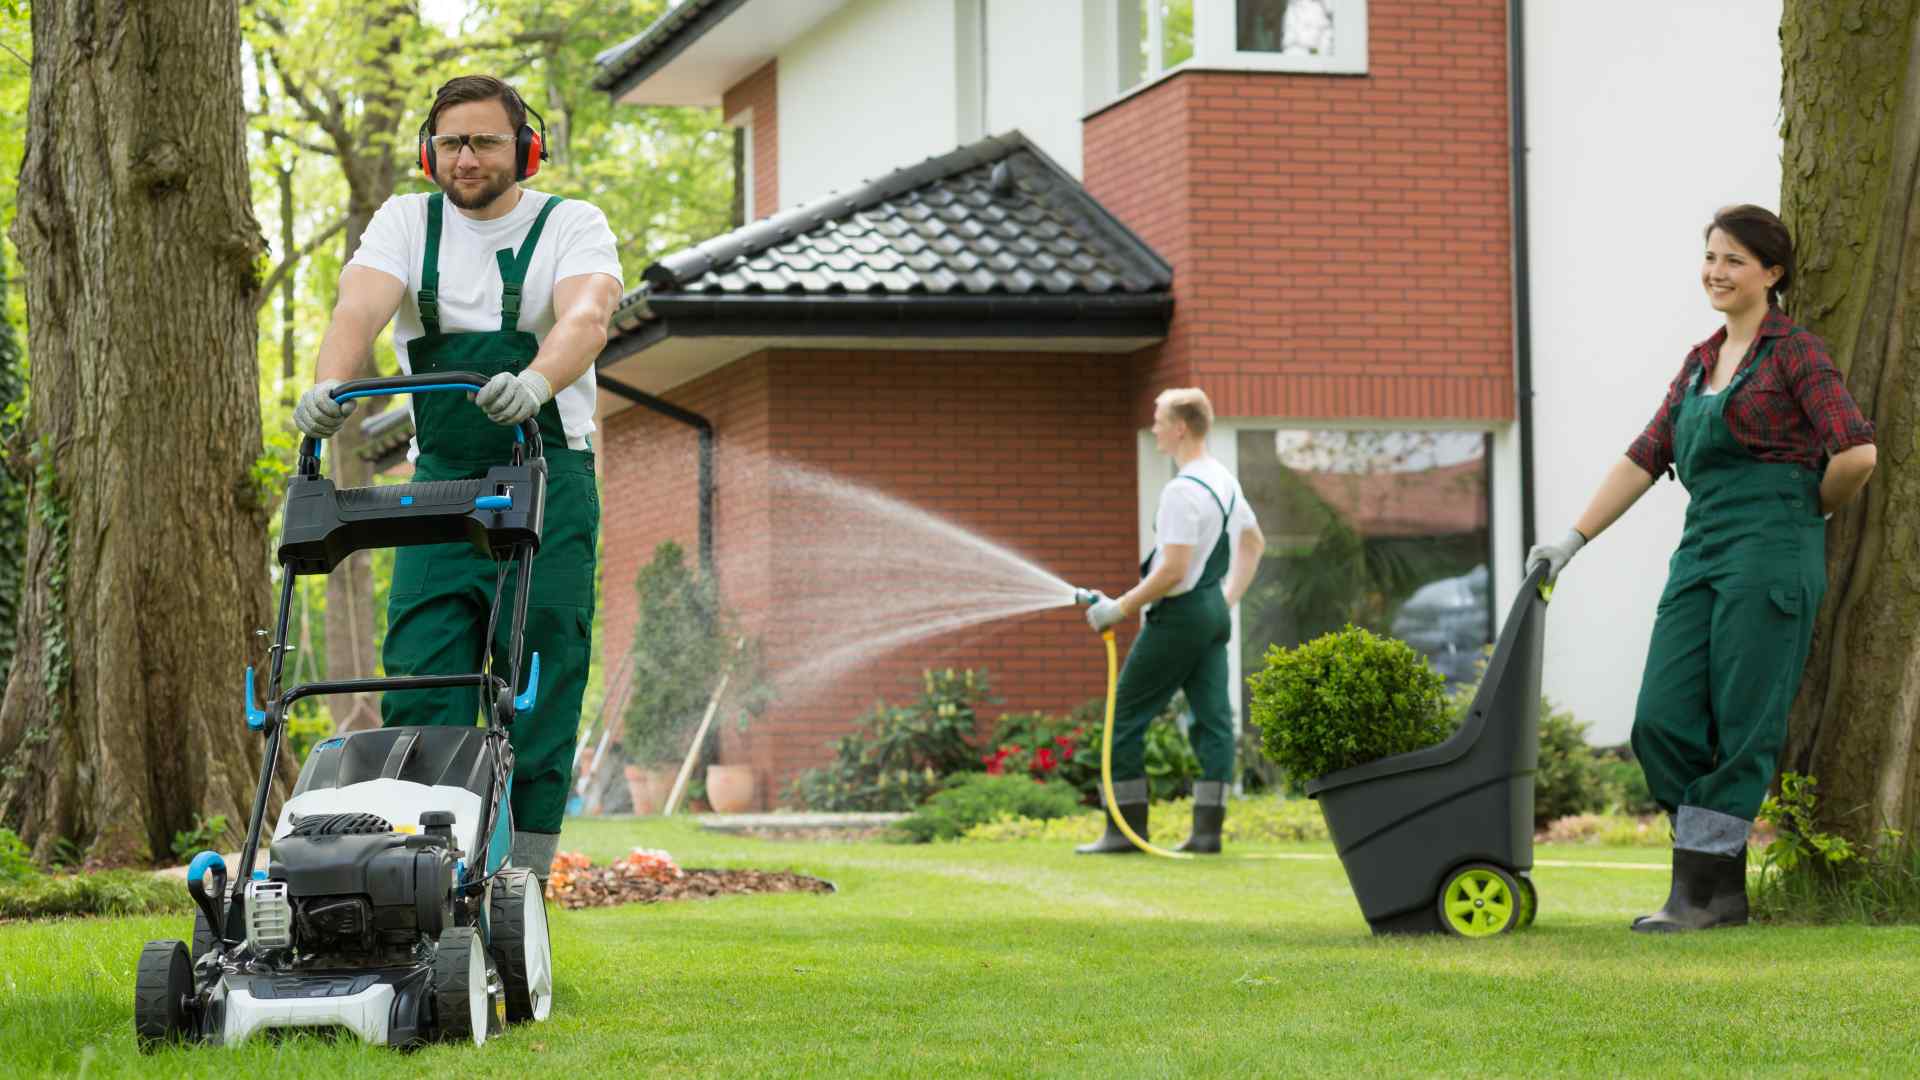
483,143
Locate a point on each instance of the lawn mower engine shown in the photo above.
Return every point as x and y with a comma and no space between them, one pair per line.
348,886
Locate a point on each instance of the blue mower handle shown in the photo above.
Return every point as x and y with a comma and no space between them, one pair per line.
526,433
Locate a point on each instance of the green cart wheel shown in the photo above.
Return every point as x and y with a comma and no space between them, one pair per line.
1480,900
1529,902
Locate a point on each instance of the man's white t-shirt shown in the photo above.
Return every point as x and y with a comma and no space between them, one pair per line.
1188,515
575,240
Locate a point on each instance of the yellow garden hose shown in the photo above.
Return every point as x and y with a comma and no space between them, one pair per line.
1106,762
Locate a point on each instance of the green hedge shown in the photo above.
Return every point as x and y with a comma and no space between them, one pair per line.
107,892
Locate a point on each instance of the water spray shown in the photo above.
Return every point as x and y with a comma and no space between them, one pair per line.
1087,598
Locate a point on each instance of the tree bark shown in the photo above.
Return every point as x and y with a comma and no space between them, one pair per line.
146,536
1851,105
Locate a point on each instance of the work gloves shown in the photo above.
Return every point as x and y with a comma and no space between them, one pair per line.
511,399
1556,555
1104,613
318,414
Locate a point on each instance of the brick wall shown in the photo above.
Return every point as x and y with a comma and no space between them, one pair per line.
1033,451
1341,245
758,92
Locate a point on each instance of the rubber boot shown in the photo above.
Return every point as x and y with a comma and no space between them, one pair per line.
1132,797
1209,812
1709,891
535,851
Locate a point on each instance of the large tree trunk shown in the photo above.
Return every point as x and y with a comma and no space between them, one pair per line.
122,719
1851,101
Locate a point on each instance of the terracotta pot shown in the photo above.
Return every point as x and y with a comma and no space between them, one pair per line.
640,787
659,782
730,787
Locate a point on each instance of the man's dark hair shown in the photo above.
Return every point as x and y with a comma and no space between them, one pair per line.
1759,231
465,88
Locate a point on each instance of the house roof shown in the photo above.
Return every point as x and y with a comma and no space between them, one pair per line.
635,58
995,227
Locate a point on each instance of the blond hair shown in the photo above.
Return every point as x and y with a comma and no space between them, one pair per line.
1189,405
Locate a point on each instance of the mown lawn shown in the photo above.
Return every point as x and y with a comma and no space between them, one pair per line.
1020,959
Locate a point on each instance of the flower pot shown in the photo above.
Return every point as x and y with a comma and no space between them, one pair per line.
730,787
659,781
640,787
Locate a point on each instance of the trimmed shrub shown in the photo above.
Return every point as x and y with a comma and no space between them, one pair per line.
1344,699
977,798
1572,778
900,756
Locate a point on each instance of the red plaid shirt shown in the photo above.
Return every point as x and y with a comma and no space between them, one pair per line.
1794,407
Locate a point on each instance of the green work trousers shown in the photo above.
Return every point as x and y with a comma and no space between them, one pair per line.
1182,647
437,615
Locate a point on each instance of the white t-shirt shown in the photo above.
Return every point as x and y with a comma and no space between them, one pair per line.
575,240
1188,515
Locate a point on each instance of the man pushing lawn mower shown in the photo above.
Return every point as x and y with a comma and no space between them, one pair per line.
1189,584
517,286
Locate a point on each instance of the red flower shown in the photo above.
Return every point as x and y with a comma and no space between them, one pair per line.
1043,759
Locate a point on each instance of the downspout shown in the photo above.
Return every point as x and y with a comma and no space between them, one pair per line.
700,424
1522,273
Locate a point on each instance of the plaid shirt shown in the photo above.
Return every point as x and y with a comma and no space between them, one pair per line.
1793,408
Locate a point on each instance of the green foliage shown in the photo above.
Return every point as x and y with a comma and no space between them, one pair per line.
901,755
1248,821
1344,699
16,861
977,798
206,833
1627,784
682,643
1067,748
107,892
13,490
1807,875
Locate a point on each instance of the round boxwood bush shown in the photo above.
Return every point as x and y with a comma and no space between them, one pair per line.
1344,699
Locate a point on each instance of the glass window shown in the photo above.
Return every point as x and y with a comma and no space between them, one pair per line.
1384,529
1290,27
1176,32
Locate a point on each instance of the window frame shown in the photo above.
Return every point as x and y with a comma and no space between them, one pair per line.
1214,47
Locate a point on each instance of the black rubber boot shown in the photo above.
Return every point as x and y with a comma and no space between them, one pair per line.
1209,812
1709,891
1132,797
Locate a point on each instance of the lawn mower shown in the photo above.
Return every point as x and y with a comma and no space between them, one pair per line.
387,906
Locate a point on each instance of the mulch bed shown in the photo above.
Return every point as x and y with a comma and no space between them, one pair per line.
652,877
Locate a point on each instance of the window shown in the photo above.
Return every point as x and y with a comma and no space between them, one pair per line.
1155,37
1384,529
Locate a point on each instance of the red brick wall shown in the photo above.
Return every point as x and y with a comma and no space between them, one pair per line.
1341,245
759,92
1035,452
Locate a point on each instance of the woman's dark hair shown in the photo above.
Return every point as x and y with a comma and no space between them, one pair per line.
465,88
1759,231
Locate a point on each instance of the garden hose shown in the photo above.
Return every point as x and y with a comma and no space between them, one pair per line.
1106,762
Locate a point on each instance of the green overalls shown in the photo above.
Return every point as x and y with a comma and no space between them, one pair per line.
437,610
1183,646
1733,627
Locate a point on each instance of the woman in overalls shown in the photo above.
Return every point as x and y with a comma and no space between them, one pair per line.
1763,433
1188,587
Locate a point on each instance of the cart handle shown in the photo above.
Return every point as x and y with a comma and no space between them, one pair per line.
526,433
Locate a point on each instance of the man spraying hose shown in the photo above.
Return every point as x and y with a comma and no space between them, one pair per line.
519,286
1207,547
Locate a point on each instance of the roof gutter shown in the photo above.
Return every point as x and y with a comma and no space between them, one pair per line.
705,429
624,73
1522,268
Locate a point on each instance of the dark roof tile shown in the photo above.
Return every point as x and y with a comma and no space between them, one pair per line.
996,216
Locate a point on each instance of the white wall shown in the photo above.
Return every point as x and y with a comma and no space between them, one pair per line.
868,91
1035,77
1643,117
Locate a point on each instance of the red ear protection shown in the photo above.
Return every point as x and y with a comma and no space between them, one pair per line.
529,146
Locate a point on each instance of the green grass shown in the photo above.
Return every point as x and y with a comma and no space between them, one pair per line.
1021,959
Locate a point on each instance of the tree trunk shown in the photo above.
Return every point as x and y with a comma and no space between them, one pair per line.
1851,103
122,718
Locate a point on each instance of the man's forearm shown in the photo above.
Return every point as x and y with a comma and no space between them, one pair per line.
569,350
346,352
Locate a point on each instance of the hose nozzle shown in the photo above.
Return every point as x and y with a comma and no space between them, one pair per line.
1086,597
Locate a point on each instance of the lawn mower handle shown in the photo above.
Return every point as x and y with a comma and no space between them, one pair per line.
526,433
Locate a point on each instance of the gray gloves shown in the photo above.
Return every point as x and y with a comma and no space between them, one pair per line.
512,399
318,414
1104,614
1556,555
